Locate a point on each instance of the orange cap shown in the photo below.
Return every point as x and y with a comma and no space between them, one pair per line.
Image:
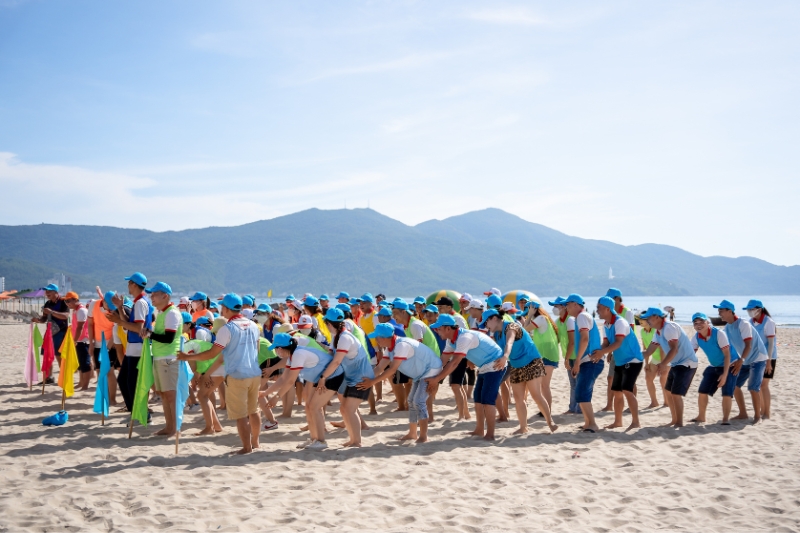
71,296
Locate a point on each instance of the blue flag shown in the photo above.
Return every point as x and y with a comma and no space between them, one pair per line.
101,394
182,392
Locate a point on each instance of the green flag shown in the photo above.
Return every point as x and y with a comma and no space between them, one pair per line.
143,384
37,346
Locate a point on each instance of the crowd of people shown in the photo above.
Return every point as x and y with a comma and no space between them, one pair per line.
248,358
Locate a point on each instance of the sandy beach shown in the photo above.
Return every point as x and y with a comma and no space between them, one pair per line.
84,476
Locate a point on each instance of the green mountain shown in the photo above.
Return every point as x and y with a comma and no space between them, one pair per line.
359,250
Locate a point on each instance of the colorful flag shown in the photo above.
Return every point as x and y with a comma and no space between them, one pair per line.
37,346
182,394
143,384
101,394
49,353
69,365
269,293
31,371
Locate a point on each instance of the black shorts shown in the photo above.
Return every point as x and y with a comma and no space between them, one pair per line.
470,373
112,357
336,382
457,375
352,392
84,357
679,379
767,373
625,376
400,378
268,363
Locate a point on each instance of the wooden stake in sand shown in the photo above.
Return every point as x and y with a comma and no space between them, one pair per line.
102,419
130,428
63,399
177,437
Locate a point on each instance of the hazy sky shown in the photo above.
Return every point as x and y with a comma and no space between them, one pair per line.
672,122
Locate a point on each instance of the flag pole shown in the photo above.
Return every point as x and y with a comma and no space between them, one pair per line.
102,419
177,437
130,427
63,398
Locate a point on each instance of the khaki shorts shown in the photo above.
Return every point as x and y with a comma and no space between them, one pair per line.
241,396
165,374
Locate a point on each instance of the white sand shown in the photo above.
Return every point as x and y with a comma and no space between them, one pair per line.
701,478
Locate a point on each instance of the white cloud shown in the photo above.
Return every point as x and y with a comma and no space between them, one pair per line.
516,16
407,62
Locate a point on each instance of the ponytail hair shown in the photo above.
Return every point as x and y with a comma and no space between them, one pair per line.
339,328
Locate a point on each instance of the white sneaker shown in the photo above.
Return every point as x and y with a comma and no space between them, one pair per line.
306,444
317,445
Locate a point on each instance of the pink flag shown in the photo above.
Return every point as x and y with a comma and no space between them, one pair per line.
49,353
30,361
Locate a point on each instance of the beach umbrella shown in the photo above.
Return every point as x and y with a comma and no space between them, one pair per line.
453,295
513,296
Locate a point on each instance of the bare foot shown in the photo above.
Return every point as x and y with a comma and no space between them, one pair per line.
606,409
338,424
223,406
613,426
741,416
218,429
520,431
489,437
284,416
668,424
374,412
206,431
422,439
475,433
408,436
756,420
353,445
697,419
162,432
242,451
652,405
304,428
678,425
553,428
502,419
633,426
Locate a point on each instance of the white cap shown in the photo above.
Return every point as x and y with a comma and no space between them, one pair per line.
466,296
508,306
493,290
184,300
247,313
304,322
476,304
298,304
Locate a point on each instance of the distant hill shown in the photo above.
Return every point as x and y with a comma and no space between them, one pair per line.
360,249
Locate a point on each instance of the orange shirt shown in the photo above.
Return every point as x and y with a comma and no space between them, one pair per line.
101,324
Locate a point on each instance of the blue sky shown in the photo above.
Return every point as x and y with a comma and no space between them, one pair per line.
672,122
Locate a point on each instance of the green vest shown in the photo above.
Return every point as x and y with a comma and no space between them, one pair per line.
161,349
312,343
359,334
547,343
563,336
203,366
265,350
647,338
427,338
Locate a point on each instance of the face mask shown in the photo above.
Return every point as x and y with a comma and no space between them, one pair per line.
195,305
557,310
753,313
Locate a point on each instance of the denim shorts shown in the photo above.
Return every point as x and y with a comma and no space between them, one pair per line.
711,377
741,377
756,376
548,362
487,386
586,378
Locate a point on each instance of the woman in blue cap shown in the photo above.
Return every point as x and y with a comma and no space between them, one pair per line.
200,306
311,308
527,368
565,332
322,375
540,326
766,328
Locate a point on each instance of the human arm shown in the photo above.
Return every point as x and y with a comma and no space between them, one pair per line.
281,386
382,372
330,369
583,343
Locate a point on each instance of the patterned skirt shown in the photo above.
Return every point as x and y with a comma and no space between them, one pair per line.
534,369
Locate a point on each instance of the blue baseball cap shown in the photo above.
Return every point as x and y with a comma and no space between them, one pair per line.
354,301
753,304
201,320
419,300
726,304
385,305
558,301
311,301
138,278
614,293
290,298
403,306
107,298
281,340
343,295
251,297
213,305
232,301
444,320
367,297
489,313
247,300
574,298
699,315
264,308
494,301
532,303
384,312
159,287
525,297
432,309
383,331
343,307
50,287
653,311
334,315
324,298
198,296
187,318
607,301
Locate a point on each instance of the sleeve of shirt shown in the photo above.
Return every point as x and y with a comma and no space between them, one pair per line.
516,329
629,317
403,351
746,330
570,324
81,315
417,331
345,343
722,339
671,331
139,311
769,328
90,308
466,341
223,337
541,323
449,347
115,336
173,321
460,321
621,327
695,345
584,322
297,360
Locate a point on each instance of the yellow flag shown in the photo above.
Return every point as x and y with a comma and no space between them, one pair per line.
69,365
269,294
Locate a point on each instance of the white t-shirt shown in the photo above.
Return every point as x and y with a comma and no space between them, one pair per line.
540,322
417,330
403,351
671,331
173,320
621,328
466,341
115,335
348,344
722,340
202,334
81,314
570,323
140,308
460,322
584,322
302,359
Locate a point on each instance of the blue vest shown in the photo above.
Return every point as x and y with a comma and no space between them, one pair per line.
760,329
685,353
523,351
594,340
485,352
148,323
757,349
312,374
423,361
357,368
629,350
712,350
240,356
